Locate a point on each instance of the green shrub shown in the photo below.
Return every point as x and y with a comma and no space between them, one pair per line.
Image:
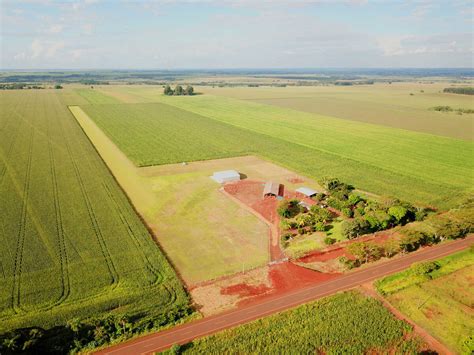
425,268
329,241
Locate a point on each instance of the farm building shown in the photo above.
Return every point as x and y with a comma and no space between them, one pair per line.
307,191
271,189
225,176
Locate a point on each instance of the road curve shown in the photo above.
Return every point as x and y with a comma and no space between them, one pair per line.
184,333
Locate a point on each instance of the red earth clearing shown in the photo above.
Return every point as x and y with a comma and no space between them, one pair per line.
284,277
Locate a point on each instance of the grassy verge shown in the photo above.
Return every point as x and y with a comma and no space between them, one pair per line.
440,301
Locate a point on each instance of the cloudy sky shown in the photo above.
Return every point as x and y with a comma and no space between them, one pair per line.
168,34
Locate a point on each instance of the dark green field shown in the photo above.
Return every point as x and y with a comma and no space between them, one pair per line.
72,245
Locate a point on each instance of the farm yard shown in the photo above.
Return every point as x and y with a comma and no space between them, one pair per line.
417,167
438,297
72,245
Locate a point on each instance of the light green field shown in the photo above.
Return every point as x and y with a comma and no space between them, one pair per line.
441,305
347,323
383,104
417,167
71,244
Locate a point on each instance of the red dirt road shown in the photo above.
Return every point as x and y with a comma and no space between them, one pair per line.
189,331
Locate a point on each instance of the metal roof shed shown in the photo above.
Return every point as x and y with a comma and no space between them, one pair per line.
271,189
225,176
307,191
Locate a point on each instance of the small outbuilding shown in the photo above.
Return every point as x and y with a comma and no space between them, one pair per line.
307,191
271,189
225,176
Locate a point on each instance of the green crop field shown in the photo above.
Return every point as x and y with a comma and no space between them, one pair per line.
347,323
417,167
441,302
96,97
71,244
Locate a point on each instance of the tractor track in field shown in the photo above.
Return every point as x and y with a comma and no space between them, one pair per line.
5,157
16,290
148,264
63,257
100,238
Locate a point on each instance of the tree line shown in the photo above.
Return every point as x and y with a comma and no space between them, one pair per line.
178,90
458,90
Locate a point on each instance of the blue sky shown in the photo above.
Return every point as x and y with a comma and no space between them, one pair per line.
173,34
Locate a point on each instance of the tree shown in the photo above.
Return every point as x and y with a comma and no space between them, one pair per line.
168,91
189,90
390,247
57,86
178,91
398,212
365,251
353,228
288,208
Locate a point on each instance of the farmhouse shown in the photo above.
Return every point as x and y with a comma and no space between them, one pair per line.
307,191
271,189
226,176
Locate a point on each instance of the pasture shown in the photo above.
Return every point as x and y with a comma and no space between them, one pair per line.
417,167
441,303
72,245
347,323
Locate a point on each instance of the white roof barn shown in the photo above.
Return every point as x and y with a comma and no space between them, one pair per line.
307,191
225,176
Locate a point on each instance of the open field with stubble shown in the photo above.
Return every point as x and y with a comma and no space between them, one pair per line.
417,167
72,245
441,302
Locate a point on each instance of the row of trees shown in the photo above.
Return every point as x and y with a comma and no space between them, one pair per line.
436,228
178,90
367,215
85,334
459,90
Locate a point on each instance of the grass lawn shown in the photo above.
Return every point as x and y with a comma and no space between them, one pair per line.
302,244
442,303
335,232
